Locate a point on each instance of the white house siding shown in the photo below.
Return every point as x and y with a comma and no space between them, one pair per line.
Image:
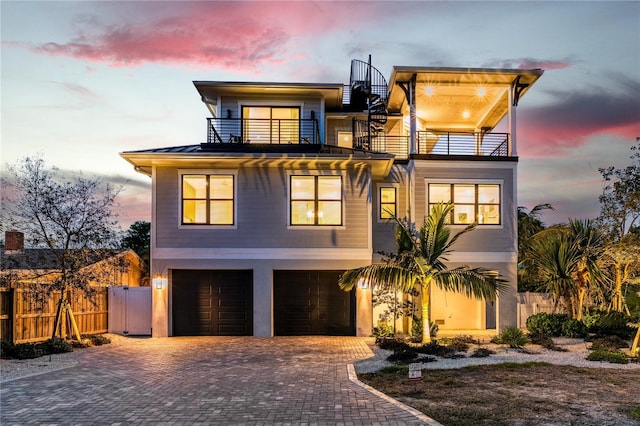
262,215
261,241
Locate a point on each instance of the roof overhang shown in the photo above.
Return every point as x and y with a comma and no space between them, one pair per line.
144,162
459,98
210,91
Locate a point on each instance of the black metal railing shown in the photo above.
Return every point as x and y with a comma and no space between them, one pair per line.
263,131
462,143
439,143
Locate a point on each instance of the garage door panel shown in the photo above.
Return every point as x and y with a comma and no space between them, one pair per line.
310,302
212,302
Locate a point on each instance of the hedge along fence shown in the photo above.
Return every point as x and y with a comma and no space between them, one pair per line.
24,320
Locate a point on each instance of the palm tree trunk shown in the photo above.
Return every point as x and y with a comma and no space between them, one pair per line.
635,350
426,322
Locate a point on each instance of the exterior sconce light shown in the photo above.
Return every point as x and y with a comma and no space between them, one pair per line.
363,284
160,282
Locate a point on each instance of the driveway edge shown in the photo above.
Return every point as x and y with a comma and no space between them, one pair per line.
353,377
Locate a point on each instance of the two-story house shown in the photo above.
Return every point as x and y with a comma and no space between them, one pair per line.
295,184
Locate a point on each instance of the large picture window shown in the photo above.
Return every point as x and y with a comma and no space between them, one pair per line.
208,199
471,202
271,124
316,200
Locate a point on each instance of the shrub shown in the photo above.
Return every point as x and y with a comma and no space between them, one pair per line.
393,344
574,328
614,357
434,348
481,353
613,324
512,336
403,357
609,343
383,330
97,339
546,342
56,346
27,351
548,324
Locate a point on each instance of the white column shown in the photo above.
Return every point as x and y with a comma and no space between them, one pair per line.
512,123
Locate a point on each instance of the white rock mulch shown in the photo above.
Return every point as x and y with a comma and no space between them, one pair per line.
576,354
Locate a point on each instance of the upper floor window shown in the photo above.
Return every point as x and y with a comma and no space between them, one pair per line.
266,124
208,199
316,200
472,202
388,202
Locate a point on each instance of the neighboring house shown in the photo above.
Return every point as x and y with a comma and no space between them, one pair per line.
22,265
27,316
296,181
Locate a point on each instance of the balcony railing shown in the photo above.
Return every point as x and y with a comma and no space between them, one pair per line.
262,131
445,143
463,143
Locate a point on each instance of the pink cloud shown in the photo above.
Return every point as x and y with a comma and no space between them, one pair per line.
551,129
228,35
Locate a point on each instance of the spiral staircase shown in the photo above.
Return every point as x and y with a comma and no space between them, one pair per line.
369,94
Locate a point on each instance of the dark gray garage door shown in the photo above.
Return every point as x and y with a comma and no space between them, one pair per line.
212,303
311,303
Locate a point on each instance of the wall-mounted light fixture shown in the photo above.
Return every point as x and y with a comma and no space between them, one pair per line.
159,282
363,284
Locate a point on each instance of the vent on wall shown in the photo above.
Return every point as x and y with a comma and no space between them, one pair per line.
440,321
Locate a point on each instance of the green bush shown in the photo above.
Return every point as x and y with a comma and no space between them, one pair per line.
614,357
383,330
609,343
547,324
56,346
481,353
27,351
574,328
546,342
403,357
512,336
613,324
434,348
393,344
97,339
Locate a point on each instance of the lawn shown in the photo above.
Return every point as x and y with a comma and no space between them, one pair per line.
531,393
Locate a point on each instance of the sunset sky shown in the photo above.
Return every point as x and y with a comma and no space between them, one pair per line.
83,81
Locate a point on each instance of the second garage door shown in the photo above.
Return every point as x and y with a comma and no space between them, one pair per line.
212,303
311,303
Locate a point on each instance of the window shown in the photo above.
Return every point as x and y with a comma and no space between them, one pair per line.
472,202
345,139
387,202
207,199
316,200
271,124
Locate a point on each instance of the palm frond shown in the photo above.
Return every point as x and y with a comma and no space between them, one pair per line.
380,276
477,282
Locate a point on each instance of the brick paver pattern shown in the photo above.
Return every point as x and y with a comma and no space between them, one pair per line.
205,380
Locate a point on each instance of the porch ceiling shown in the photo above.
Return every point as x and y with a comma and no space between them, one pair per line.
211,90
463,99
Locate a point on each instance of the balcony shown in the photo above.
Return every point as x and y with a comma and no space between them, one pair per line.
262,131
433,142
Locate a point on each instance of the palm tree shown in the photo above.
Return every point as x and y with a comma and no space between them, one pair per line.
419,263
566,260
529,224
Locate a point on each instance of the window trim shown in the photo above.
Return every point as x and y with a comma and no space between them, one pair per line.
316,173
379,187
474,182
208,172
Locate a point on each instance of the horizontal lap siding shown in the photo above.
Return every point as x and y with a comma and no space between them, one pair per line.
262,208
480,240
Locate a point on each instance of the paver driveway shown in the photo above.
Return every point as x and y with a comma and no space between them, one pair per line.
205,380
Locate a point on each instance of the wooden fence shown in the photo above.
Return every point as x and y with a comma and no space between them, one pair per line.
24,320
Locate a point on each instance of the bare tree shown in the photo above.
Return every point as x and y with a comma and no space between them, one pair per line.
68,222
